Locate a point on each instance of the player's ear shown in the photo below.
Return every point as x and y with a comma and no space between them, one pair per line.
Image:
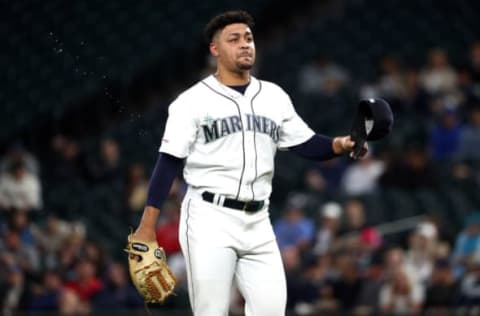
213,49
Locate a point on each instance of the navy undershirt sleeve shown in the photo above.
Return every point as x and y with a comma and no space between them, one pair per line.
318,147
165,171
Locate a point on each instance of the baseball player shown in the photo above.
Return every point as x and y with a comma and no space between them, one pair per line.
224,131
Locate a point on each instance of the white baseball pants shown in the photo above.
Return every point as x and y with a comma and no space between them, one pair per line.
220,244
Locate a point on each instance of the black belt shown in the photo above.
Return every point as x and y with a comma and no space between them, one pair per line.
250,206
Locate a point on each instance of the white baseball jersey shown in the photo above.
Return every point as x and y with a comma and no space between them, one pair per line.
230,139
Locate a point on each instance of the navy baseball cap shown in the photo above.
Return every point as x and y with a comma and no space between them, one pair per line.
373,121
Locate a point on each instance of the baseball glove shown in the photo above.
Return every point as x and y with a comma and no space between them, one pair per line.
149,270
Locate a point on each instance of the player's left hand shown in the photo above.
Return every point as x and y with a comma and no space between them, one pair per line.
345,144
149,270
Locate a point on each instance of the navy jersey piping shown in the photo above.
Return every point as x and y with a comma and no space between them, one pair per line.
255,138
190,255
243,135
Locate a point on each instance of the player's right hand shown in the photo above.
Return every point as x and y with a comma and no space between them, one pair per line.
345,144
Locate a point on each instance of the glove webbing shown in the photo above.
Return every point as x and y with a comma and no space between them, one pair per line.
154,279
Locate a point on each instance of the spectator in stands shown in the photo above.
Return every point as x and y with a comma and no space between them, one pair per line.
411,171
322,76
352,230
66,161
361,177
442,290
348,281
314,189
20,221
68,256
118,293
354,220
294,229
313,289
22,255
367,302
469,93
420,255
332,171
314,181
17,152
97,255
12,292
371,241
137,187
400,295
51,238
327,230
391,83
445,136
469,138
47,296
20,189
474,65
467,244
106,168
470,287
438,77
85,285
416,98
71,304
292,263
394,260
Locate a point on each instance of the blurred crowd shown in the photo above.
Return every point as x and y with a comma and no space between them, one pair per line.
336,263
53,266
336,258
48,261
437,123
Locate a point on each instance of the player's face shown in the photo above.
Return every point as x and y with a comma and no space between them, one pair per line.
234,47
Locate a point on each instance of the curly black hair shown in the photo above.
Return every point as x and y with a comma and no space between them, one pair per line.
218,22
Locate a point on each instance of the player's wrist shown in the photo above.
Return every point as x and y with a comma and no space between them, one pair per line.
145,233
338,145
148,223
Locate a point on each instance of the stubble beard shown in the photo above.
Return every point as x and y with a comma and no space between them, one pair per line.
243,65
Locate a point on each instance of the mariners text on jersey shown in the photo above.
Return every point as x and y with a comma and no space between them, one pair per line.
229,139
218,128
